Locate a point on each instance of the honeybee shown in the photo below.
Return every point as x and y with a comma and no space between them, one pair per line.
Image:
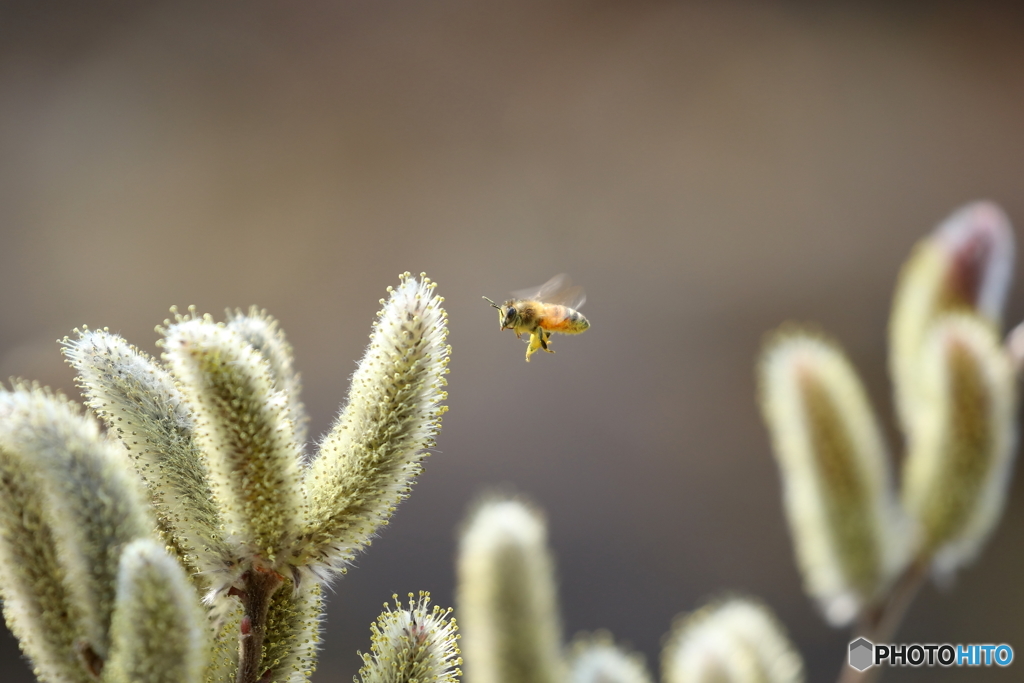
539,311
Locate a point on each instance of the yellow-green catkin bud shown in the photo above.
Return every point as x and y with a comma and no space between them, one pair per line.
962,440
849,534
222,666
92,501
159,632
243,426
33,583
507,597
596,659
965,265
734,641
412,644
263,333
368,461
138,400
293,632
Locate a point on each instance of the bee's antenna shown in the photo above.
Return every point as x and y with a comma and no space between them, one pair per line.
492,303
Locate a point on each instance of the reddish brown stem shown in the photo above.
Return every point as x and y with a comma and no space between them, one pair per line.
260,586
879,622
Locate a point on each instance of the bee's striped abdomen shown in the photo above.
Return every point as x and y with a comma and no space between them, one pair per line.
563,319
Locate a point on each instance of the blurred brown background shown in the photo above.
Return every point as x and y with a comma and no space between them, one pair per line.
706,169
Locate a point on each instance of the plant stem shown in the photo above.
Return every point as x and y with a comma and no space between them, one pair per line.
879,622
260,585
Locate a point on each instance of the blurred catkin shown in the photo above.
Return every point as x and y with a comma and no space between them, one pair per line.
955,388
965,265
510,624
961,441
597,659
849,534
93,504
507,597
733,641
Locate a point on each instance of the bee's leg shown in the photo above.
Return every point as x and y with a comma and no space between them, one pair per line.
535,343
544,337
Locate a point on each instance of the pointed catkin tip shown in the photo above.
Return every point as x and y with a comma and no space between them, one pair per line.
507,597
734,641
849,535
413,643
142,406
264,334
978,250
242,425
159,632
373,453
965,265
962,440
596,659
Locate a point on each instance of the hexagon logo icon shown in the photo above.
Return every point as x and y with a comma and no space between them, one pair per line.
861,654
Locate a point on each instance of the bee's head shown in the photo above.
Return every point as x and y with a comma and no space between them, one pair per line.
507,314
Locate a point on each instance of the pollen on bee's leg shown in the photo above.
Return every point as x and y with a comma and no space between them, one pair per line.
536,342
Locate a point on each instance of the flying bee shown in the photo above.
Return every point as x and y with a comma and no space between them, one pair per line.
539,311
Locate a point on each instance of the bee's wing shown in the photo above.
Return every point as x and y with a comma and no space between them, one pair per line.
557,290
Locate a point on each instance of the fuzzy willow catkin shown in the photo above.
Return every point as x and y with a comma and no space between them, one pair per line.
94,506
849,535
965,265
597,659
142,406
412,644
507,597
733,641
252,455
201,486
159,632
961,441
263,333
370,458
36,597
